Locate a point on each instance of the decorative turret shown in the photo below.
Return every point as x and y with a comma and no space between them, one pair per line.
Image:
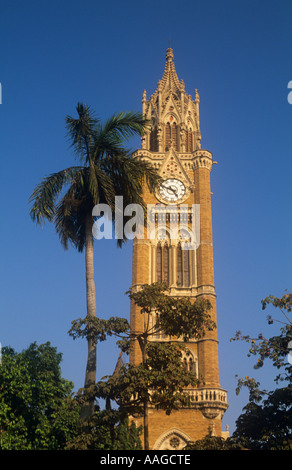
173,114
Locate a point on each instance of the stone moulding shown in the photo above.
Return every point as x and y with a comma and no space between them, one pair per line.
197,159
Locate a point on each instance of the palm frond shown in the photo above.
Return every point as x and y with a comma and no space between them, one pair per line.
101,187
72,210
111,137
125,125
129,175
70,222
45,195
81,130
108,170
91,186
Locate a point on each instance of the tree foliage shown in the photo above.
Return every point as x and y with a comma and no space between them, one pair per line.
174,316
267,421
267,426
100,329
215,443
36,407
106,169
107,430
160,379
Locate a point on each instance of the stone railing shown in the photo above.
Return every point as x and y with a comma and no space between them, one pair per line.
198,395
211,401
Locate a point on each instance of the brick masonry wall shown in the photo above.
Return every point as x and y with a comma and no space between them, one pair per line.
190,422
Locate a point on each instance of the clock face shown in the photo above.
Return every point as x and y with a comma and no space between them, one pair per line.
172,190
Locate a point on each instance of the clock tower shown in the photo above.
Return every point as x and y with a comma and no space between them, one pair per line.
179,254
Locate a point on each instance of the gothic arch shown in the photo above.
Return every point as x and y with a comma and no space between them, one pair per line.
173,439
189,139
171,133
190,362
172,260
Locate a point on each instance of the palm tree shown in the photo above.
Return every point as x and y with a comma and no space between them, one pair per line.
67,198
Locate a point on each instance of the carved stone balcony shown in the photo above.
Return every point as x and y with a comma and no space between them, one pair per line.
211,401
208,394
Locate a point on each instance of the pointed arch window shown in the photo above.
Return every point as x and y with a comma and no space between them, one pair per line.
186,268
159,263
189,140
179,263
189,363
153,140
162,263
183,267
165,259
171,135
174,135
167,136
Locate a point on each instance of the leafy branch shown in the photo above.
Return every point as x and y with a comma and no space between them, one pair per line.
275,348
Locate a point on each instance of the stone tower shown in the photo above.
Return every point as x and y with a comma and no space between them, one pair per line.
173,145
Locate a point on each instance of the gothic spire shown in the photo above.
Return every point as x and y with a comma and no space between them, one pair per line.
169,79
173,113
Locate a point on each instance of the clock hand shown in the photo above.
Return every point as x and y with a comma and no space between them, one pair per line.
170,188
173,190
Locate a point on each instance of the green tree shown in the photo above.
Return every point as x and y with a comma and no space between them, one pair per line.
67,198
36,408
160,380
107,430
267,425
215,443
267,421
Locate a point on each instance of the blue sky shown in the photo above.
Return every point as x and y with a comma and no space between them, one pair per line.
238,55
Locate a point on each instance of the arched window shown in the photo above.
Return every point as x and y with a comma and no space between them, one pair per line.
159,263
189,140
186,268
174,135
192,365
179,264
189,363
165,257
167,136
183,267
162,263
153,140
171,136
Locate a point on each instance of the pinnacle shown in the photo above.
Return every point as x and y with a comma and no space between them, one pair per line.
170,79
169,55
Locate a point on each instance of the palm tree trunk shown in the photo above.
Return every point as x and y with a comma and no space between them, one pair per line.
90,375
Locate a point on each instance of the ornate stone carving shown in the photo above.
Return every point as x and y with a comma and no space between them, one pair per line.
173,439
210,413
171,102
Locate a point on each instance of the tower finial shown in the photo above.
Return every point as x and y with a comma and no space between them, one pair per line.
169,54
